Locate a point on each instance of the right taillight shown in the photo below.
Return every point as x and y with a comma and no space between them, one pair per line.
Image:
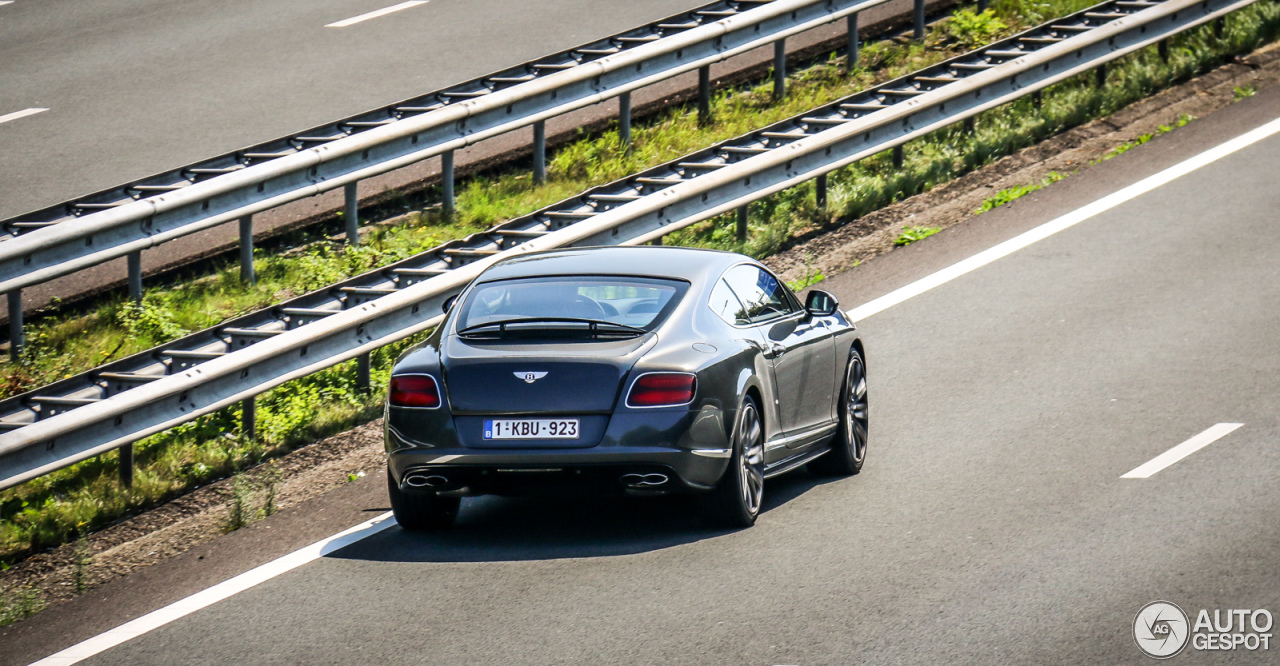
415,391
662,389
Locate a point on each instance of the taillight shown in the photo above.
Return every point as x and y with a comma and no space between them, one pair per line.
415,391
660,389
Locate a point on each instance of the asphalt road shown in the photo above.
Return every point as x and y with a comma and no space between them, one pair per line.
990,525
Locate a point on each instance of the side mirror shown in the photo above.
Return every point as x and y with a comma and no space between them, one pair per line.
448,303
821,304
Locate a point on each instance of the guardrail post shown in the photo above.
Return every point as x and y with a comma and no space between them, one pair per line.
15,324
851,59
899,155
1037,99
656,241
820,192
1100,75
969,126
126,465
624,120
364,363
446,183
352,215
249,418
1162,47
704,94
540,152
742,223
982,5
246,250
780,69
1219,26
919,19
134,261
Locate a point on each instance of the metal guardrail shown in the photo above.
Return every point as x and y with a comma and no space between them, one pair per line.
177,384
123,221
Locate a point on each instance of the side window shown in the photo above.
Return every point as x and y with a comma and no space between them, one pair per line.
761,294
726,305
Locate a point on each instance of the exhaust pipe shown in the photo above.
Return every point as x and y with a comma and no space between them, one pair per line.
644,480
421,480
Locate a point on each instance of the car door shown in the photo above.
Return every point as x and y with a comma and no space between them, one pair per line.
800,348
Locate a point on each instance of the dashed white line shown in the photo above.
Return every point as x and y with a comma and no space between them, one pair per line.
20,114
375,14
1181,451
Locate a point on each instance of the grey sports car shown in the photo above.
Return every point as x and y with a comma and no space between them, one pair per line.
639,370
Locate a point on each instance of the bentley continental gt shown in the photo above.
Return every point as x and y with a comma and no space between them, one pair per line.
636,370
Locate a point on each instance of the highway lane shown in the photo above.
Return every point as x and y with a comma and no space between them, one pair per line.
134,87
991,523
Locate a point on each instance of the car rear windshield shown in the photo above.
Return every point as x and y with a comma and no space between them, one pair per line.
602,305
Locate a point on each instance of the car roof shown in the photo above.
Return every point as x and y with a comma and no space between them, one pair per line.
695,265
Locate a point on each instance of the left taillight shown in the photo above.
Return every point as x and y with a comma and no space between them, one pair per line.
662,389
415,391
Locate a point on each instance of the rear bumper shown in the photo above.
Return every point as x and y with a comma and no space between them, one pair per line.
690,447
469,472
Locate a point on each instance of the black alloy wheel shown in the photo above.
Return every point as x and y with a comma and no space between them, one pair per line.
849,445
421,512
736,501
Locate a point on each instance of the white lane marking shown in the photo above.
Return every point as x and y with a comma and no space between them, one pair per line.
1213,434
20,114
1065,222
159,618
375,14
294,560
5,2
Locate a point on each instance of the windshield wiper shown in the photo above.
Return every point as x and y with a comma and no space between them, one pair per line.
593,326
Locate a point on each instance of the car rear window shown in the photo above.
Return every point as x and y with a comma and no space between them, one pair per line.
629,301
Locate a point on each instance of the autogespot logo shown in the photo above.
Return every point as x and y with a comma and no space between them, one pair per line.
1161,629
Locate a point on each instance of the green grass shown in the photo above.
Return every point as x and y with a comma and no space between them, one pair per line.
1005,196
46,511
20,604
910,235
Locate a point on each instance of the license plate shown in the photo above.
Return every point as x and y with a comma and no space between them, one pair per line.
531,429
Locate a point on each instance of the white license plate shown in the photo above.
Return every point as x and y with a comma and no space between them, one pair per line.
531,429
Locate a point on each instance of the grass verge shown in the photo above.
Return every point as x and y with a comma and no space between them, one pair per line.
48,511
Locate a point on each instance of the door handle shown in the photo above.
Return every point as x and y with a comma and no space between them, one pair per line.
776,349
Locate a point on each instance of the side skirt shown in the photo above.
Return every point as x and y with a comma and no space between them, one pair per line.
784,466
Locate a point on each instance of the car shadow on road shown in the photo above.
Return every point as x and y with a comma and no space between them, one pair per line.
500,529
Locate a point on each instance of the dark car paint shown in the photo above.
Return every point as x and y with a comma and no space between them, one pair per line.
729,361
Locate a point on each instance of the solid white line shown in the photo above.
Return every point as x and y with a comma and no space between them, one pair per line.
6,2
1181,451
1065,222
296,559
375,14
213,595
20,114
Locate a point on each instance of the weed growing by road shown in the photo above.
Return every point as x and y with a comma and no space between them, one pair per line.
239,503
1243,92
270,480
19,604
1006,195
81,558
910,235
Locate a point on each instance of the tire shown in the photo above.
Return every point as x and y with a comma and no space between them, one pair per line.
735,501
849,446
421,512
